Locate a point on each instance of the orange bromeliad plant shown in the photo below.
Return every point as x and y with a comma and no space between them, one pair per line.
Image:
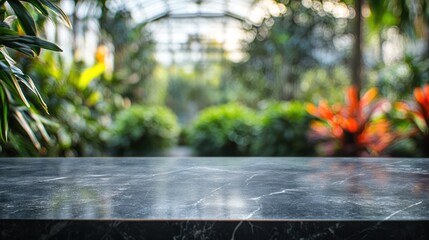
418,114
352,129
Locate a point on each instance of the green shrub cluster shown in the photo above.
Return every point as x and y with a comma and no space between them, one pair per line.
234,130
143,130
283,131
226,130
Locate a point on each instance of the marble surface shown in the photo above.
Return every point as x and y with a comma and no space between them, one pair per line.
213,230
199,189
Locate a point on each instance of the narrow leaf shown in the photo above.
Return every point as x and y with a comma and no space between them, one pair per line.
26,51
9,20
4,54
24,17
41,127
58,11
4,126
30,85
47,45
15,42
19,90
6,31
16,45
38,6
21,120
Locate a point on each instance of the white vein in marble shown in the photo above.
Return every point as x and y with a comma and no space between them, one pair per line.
215,188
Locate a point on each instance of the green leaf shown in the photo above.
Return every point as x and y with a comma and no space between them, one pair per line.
27,51
24,43
24,17
4,54
58,11
41,127
6,74
25,79
30,85
2,11
45,44
7,31
38,6
24,124
4,126
20,92
9,20
16,45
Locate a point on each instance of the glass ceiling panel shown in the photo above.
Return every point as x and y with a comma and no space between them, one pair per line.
177,25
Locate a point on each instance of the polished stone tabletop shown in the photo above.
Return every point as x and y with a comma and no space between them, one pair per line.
215,188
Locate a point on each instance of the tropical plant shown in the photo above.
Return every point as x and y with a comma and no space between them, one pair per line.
17,112
355,129
417,113
142,130
225,130
80,103
283,131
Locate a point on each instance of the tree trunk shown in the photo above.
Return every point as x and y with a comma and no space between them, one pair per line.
357,67
74,21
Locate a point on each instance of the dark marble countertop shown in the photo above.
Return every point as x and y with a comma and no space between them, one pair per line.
215,188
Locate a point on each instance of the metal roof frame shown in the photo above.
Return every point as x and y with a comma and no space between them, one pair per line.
162,17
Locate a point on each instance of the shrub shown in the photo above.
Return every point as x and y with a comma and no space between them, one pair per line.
283,131
226,130
144,130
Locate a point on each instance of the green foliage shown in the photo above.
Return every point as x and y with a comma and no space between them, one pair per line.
404,145
287,46
410,16
16,87
317,83
397,80
136,75
225,130
283,131
189,92
381,15
80,119
143,130
82,98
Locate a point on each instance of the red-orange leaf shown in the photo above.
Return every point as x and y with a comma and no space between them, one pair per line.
368,97
403,107
352,125
311,109
426,92
351,128
420,97
352,97
324,110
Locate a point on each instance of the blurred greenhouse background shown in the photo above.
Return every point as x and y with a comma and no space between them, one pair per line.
214,78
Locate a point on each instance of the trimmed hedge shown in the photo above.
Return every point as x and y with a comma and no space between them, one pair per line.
225,130
141,130
283,131
235,130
